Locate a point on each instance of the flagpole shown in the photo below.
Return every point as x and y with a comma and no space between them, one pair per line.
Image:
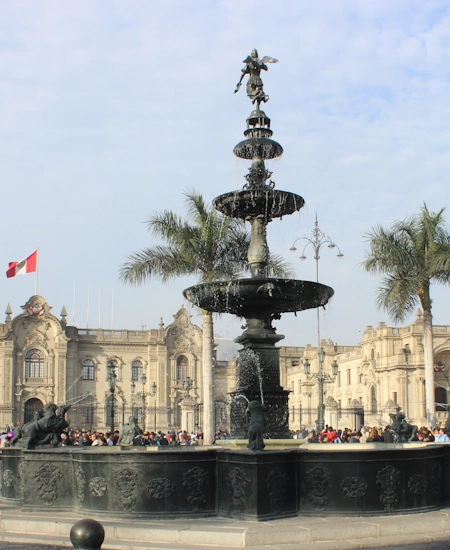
37,273
112,306
87,309
73,306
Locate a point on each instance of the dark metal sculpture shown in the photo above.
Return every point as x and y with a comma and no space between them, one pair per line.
253,67
405,432
129,431
256,425
45,428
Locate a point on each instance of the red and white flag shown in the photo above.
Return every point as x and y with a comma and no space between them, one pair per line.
29,265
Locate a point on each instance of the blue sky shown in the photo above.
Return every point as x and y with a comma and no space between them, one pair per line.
111,109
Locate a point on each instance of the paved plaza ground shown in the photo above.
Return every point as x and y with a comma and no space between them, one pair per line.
424,531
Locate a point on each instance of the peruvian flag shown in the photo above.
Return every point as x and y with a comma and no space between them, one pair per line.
25,266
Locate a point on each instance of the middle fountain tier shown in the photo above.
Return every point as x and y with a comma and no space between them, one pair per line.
259,299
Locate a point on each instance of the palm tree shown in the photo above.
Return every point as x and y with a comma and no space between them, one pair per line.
204,243
412,255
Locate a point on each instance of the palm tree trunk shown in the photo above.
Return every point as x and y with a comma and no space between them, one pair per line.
428,355
208,379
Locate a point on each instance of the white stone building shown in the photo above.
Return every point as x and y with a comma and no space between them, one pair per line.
384,372
42,359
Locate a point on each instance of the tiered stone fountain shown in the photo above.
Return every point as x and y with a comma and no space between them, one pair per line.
259,299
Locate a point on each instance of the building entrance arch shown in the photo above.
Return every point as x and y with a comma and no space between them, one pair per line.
31,406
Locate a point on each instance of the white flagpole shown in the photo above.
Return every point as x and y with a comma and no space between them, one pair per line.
37,273
87,309
73,306
99,308
112,306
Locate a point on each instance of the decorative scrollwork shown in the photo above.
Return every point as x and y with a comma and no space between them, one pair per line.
237,482
81,481
196,480
48,477
353,487
417,484
8,478
160,487
388,478
127,482
98,486
318,479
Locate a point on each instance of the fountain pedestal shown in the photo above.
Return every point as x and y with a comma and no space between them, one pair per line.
259,379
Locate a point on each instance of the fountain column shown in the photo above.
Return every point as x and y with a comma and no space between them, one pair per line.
262,298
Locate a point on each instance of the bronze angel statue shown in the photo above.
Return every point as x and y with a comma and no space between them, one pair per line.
253,67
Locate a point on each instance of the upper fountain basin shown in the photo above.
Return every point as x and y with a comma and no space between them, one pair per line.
261,147
258,296
257,200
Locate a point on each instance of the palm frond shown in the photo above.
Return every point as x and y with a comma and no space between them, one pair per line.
161,262
277,267
411,254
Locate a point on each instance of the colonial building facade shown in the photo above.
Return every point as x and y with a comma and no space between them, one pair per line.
155,375
106,375
383,373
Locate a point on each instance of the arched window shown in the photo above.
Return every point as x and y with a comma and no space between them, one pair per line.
88,369
182,367
31,406
136,371
34,364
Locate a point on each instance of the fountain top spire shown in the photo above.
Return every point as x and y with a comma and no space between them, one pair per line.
253,68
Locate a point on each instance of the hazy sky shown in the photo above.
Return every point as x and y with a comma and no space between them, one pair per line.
111,109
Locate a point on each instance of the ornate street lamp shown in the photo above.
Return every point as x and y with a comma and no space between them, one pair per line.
111,378
317,239
321,378
143,394
187,385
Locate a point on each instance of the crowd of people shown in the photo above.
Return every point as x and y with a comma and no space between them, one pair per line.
92,438
368,435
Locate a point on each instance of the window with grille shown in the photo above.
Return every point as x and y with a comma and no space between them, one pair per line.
138,414
136,371
182,367
88,369
88,414
34,364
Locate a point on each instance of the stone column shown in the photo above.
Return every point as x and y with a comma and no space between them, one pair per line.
208,380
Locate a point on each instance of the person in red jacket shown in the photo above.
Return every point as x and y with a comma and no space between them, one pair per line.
332,435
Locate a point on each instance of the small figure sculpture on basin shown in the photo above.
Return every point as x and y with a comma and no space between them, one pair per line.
256,412
405,432
45,428
129,431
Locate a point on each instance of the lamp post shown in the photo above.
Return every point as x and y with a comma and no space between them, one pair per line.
316,239
321,377
187,385
111,378
143,394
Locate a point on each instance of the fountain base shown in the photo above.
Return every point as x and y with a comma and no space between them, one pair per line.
196,482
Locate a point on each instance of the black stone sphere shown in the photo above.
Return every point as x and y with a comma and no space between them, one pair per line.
87,534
